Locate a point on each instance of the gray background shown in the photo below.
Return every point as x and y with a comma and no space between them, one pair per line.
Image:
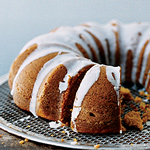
22,20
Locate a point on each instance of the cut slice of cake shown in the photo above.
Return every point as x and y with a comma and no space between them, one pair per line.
96,107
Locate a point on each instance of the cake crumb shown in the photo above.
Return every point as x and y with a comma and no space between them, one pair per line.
71,110
137,99
52,135
62,125
148,113
148,96
142,93
62,140
63,131
75,140
144,118
131,143
97,146
26,140
28,126
133,106
67,124
143,106
21,142
126,94
1,135
133,119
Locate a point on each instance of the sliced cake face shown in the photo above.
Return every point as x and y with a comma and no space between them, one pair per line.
97,107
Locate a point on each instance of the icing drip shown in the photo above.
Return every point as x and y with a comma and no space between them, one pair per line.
99,31
54,124
114,81
143,40
128,40
93,75
88,39
75,37
144,63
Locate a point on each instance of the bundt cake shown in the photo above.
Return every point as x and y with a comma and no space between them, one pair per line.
65,74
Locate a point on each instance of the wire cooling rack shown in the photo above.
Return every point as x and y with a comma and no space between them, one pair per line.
24,124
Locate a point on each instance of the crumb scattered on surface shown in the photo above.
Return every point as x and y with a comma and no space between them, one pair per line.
144,118
132,106
62,125
148,113
143,106
62,140
75,140
126,94
52,135
148,96
1,135
137,99
133,118
28,126
63,131
142,93
26,140
97,146
21,142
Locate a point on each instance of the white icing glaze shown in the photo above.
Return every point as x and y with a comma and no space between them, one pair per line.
99,31
53,38
128,40
93,75
73,36
88,39
112,41
54,124
115,82
24,118
48,66
42,50
147,80
144,63
73,65
143,40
